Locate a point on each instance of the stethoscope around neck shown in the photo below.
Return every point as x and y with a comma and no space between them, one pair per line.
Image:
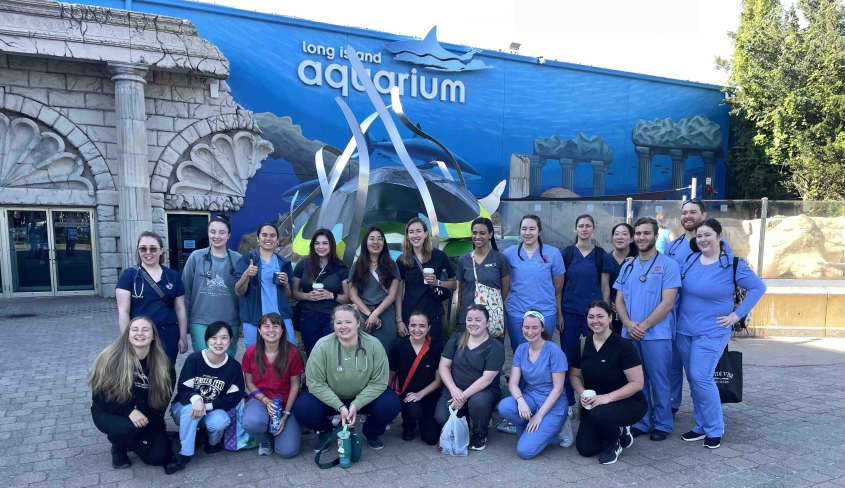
140,269
341,369
698,257
626,273
207,262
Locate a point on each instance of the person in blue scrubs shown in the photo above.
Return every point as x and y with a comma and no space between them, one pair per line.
693,212
706,317
537,409
536,279
624,250
647,287
583,284
259,288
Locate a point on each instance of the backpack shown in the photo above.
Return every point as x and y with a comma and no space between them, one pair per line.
567,259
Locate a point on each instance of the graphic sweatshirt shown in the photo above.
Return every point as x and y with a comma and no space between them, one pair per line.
221,387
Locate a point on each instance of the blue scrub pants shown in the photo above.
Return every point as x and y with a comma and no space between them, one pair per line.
513,323
214,421
656,356
530,445
251,333
574,326
700,355
314,326
676,377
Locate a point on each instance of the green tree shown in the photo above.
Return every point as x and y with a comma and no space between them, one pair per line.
787,92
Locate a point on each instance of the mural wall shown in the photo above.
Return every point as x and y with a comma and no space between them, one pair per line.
592,131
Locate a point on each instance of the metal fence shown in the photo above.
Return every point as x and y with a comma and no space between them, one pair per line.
779,239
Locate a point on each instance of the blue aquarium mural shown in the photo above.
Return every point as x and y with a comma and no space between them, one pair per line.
592,131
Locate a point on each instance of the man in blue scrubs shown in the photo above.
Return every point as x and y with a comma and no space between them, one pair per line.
693,212
647,287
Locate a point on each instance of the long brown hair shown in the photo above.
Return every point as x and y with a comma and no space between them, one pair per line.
113,373
312,266
407,257
464,340
260,347
385,267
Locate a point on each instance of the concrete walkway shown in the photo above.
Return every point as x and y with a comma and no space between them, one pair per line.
789,431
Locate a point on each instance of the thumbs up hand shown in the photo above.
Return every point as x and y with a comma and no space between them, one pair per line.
252,270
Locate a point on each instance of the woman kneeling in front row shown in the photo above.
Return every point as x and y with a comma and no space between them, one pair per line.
469,370
131,384
538,411
347,373
608,376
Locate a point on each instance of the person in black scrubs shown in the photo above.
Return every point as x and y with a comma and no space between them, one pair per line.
418,391
609,366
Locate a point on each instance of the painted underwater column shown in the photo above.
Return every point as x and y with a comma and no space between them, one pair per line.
678,158
536,178
643,169
567,173
599,171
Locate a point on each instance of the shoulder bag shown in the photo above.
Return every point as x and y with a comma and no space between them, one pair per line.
491,298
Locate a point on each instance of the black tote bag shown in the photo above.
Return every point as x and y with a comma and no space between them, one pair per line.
728,376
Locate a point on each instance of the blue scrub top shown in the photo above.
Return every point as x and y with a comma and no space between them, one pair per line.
538,375
147,302
531,285
582,281
708,293
269,290
679,249
641,298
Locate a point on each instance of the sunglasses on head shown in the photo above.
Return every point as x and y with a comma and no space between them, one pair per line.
144,249
692,200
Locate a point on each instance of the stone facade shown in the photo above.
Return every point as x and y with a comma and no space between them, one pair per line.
89,118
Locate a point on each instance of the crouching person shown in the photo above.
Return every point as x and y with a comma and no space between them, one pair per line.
131,384
347,374
210,384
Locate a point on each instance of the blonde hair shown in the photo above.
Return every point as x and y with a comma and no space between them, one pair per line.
348,307
407,257
113,373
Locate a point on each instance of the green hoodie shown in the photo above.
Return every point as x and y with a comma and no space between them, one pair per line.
332,387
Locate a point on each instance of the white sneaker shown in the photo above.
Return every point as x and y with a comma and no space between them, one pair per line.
265,449
566,434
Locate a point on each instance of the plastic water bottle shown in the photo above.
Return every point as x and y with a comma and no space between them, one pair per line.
276,421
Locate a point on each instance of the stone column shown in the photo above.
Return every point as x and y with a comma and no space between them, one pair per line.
567,173
132,171
599,171
678,158
709,158
519,184
537,164
643,169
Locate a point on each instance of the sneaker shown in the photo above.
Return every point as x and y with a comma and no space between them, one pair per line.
213,449
322,437
477,442
626,440
635,432
408,435
265,449
692,436
610,454
712,442
177,463
565,434
119,458
375,444
658,435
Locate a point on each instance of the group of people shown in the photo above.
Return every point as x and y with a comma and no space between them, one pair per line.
630,321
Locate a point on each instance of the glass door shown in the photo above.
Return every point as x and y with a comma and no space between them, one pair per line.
29,252
73,250
186,232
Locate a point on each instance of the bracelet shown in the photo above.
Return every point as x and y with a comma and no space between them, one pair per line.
517,398
400,321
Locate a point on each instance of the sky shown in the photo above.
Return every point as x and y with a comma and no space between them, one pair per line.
673,38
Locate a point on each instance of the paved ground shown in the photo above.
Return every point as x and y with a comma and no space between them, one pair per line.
788,432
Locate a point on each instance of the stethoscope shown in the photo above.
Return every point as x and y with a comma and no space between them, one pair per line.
340,367
626,273
675,245
721,253
207,261
135,293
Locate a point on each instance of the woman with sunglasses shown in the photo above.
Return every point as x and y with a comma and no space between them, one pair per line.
538,408
624,250
706,317
151,290
427,280
210,286
375,284
262,284
347,375
319,283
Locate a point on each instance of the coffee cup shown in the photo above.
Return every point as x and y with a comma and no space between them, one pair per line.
427,271
277,276
317,286
588,394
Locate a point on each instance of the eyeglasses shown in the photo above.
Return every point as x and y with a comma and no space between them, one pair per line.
375,239
151,249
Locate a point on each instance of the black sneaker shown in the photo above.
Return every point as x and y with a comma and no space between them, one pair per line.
119,458
408,435
658,435
635,432
692,436
177,463
213,449
712,442
477,442
626,440
322,437
610,454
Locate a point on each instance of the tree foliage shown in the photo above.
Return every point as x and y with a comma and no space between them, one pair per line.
787,93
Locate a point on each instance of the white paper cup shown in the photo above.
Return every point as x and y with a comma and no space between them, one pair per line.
317,286
427,271
588,394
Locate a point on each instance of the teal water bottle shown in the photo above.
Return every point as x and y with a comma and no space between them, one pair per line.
344,447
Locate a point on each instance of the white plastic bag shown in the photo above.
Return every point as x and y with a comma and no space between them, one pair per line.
454,439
